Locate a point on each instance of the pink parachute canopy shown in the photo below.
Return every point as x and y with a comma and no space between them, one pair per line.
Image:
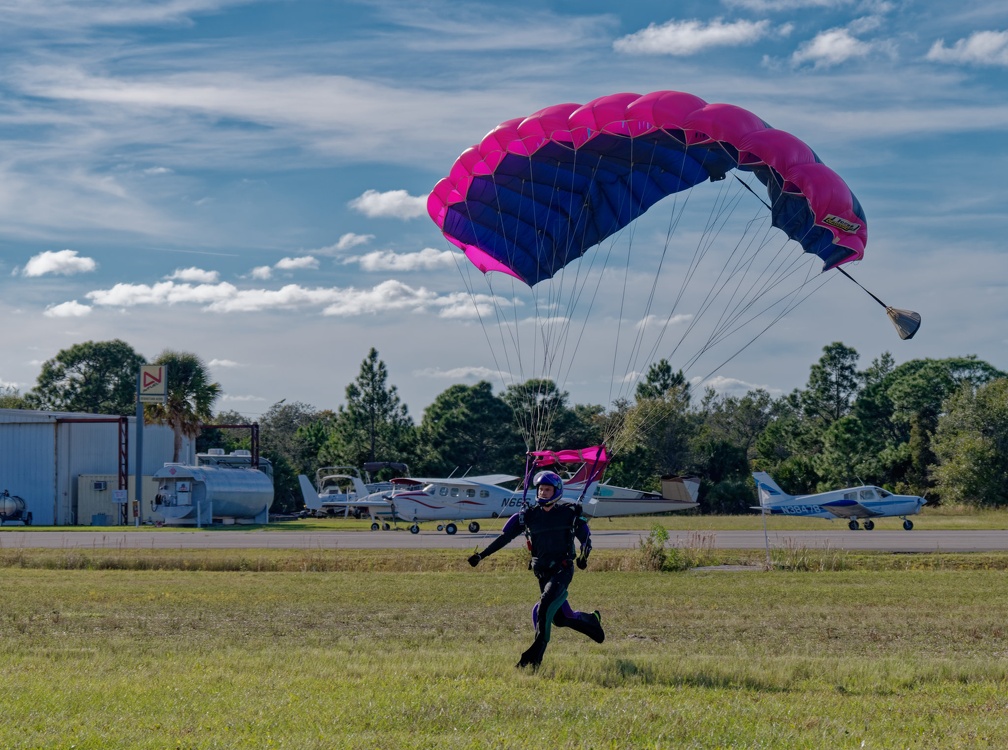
537,192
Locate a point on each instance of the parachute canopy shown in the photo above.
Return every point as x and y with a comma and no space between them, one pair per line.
537,192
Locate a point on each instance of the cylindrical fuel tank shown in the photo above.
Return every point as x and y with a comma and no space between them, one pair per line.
239,493
12,507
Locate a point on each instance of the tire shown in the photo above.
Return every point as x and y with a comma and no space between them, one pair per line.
450,529
473,527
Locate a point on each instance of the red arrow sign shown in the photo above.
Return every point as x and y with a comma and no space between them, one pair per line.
151,379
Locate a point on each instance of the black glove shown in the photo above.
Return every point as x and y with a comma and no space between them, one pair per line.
474,559
582,561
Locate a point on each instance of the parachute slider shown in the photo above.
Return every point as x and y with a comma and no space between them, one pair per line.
906,322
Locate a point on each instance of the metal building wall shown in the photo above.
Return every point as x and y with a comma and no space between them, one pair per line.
41,457
26,466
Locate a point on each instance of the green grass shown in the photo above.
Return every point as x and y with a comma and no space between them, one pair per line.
415,650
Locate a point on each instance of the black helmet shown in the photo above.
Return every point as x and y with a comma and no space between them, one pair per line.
551,478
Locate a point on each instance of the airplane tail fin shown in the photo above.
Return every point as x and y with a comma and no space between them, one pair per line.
311,498
769,493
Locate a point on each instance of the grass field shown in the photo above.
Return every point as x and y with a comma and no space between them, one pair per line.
340,649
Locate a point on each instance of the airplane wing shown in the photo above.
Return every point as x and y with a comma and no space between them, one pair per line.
362,503
849,509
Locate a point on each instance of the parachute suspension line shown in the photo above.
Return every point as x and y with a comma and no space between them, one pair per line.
635,362
632,226
774,321
728,323
709,234
778,270
906,322
631,370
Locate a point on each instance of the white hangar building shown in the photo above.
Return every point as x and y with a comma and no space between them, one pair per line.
65,466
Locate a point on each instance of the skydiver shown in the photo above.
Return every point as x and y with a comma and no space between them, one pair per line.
551,528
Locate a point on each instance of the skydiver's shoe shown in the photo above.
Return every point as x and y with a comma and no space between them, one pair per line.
531,657
527,663
600,635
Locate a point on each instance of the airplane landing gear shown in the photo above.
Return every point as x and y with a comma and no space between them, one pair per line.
414,529
869,525
375,526
473,527
450,529
853,525
907,524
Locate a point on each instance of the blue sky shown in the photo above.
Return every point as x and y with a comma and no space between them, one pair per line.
248,180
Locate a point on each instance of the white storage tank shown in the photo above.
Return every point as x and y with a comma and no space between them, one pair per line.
197,495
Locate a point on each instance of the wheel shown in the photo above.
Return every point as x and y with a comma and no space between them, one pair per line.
908,524
869,525
473,527
374,526
853,525
440,527
386,526
450,529
414,529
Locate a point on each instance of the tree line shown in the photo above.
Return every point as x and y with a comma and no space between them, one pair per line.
932,427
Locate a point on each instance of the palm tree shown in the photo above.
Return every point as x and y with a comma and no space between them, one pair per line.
191,396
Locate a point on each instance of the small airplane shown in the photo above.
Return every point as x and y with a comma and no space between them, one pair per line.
337,487
852,503
414,500
468,498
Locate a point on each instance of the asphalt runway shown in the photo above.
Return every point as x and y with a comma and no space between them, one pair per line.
146,538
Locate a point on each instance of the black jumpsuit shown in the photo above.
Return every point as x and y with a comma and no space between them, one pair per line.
551,533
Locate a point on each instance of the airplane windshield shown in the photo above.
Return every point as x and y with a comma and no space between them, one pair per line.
882,492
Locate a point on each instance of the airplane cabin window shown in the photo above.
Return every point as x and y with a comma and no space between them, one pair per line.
470,493
454,491
444,491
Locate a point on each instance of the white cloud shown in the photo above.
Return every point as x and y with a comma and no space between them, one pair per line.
195,275
395,204
771,6
346,242
428,259
458,373
72,309
731,386
689,37
262,272
240,399
304,263
980,48
157,170
831,47
660,321
61,262
162,293
223,363
351,240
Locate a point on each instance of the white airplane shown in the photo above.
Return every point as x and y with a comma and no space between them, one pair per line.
338,487
416,500
865,502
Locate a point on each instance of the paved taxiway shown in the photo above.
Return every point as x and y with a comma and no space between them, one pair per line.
917,540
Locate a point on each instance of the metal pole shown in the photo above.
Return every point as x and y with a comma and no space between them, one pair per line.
138,488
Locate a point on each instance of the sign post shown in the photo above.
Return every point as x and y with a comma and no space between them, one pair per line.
152,388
